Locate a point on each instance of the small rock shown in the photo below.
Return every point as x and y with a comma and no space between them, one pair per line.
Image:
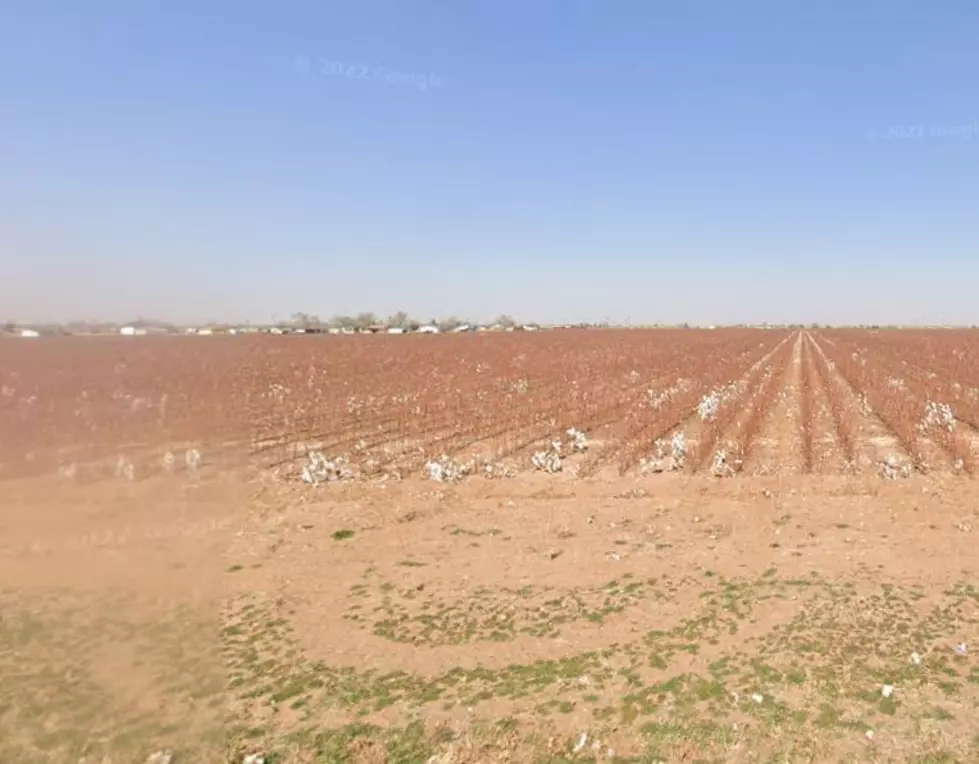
553,554
887,690
581,742
254,758
613,556
961,649
915,659
869,734
160,757
757,698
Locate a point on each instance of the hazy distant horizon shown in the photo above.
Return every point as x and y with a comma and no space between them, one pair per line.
180,326
561,162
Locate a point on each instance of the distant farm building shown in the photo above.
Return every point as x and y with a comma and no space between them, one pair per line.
428,329
29,333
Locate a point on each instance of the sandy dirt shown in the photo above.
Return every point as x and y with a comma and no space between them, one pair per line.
782,614
491,619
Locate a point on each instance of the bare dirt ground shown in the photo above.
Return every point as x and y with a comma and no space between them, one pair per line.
805,609
549,617
110,596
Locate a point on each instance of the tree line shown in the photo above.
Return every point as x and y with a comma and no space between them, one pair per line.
399,320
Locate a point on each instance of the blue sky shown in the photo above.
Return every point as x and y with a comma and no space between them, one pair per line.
698,160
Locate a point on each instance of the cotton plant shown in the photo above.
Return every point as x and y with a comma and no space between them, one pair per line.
445,469
548,460
577,440
323,470
666,461
937,415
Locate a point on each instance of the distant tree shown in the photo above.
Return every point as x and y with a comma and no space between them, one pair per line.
399,320
305,321
505,320
365,319
10,327
343,322
448,324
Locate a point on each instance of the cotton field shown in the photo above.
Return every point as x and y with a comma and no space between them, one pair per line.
453,408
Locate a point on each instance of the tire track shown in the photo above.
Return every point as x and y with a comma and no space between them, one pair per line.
828,451
779,447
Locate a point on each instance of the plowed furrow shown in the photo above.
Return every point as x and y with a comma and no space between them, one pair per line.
779,447
827,449
866,437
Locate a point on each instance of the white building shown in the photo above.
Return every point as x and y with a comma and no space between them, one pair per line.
396,330
428,329
29,333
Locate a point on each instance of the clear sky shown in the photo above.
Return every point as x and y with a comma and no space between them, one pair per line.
559,160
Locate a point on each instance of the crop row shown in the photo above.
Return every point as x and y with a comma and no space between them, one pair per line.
391,398
903,397
398,402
